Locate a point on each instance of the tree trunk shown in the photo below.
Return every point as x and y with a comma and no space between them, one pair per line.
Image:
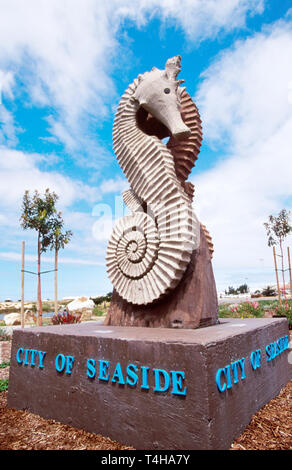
290,276
277,277
40,308
22,284
56,281
283,273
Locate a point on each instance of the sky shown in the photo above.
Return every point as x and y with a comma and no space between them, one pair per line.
64,65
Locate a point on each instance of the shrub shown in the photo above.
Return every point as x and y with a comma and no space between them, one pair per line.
247,310
4,336
269,292
3,365
284,311
3,385
102,298
66,317
98,312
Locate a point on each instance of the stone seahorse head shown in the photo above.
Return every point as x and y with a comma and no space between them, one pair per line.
158,92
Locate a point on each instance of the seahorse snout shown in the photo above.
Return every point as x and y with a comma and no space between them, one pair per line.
176,125
181,133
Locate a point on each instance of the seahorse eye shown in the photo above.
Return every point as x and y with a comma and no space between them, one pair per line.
166,91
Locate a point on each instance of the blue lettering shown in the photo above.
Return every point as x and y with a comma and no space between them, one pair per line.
33,354
277,347
228,376
91,368
131,374
218,380
242,364
177,378
268,353
103,366
69,364
60,362
118,375
158,387
234,370
26,353
255,359
145,385
41,358
19,351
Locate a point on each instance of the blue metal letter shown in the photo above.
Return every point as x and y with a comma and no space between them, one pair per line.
20,350
218,380
177,378
131,374
91,368
158,387
103,366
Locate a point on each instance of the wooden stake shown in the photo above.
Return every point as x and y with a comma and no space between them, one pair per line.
22,284
289,261
276,270
56,282
40,308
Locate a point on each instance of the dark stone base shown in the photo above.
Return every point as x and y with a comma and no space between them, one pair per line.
191,413
192,304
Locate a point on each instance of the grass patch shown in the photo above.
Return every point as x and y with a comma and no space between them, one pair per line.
3,385
98,311
4,364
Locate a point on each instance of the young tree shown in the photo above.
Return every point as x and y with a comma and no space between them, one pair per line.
58,240
40,214
277,230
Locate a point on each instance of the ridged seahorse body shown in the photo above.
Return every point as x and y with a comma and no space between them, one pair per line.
149,250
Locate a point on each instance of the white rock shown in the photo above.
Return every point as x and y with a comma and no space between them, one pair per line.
12,319
81,303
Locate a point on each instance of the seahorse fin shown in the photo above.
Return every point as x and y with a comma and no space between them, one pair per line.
132,201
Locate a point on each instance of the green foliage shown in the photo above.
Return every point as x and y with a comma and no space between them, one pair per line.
103,298
243,310
285,311
243,289
278,227
269,292
3,385
3,365
98,311
39,213
257,309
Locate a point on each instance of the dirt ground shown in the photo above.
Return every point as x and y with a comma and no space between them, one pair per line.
269,429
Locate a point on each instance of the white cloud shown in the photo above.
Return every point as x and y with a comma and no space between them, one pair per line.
62,51
19,171
244,104
114,185
206,19
13,256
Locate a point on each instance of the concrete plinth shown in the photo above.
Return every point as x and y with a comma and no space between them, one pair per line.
152,388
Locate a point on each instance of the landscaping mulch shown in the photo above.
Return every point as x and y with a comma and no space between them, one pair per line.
21,430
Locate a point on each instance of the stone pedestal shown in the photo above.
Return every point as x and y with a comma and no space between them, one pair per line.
152,388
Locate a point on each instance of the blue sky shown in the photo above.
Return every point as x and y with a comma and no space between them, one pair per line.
64,66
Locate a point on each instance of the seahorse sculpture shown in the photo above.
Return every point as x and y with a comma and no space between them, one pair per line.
149,250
